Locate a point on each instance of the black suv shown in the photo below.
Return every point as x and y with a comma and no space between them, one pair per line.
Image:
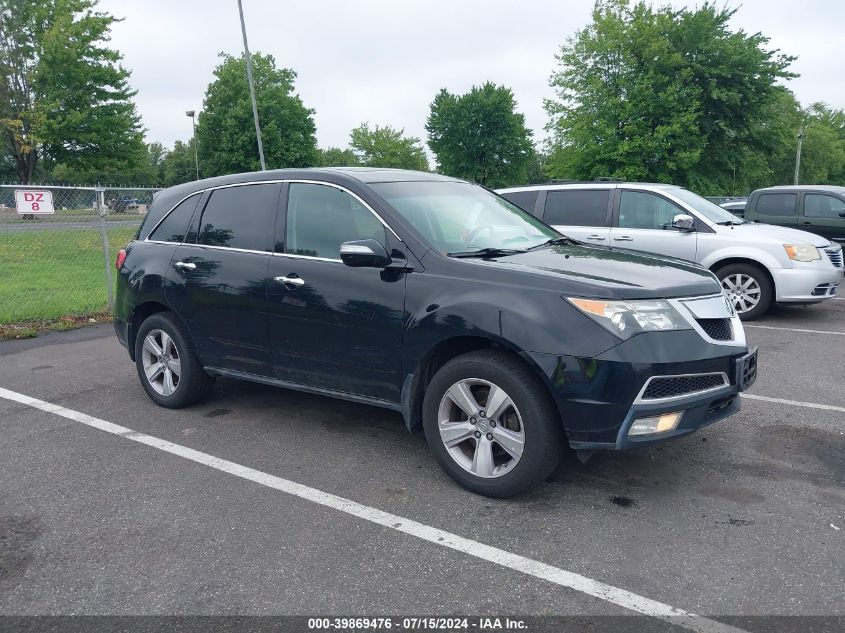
434,297
819,209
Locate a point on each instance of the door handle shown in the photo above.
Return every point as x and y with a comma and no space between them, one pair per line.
807,223
596,237
623,238
187,265
291,281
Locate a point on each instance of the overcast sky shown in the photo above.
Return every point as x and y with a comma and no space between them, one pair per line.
383,61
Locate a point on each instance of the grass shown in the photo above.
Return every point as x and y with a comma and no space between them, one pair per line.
54,279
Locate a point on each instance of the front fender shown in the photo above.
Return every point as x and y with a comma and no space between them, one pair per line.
526,319
757,255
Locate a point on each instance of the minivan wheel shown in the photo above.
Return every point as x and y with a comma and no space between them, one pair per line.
168,368
491,423
748,288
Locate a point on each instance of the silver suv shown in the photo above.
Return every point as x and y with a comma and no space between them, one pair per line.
757,264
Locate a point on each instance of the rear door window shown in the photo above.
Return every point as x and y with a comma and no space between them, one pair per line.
525,200
777,204
240,217
586,207
175,225
819,205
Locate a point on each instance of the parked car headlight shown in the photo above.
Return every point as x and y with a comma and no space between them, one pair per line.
627,318
801,252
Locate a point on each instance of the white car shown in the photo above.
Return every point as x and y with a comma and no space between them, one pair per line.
757,264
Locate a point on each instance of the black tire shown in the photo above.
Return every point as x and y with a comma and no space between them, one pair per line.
543,430
767,293
193,383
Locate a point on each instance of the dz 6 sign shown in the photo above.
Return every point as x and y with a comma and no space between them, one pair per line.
33,202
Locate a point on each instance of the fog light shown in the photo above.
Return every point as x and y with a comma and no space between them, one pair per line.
656,424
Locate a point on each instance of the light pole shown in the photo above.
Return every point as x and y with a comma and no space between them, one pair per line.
193,115
251,88
798,153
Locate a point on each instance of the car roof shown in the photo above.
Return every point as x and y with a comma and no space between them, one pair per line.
587,184
831,188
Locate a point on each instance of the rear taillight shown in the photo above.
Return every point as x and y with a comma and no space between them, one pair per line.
121,257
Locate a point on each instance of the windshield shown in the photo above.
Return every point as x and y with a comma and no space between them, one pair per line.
712,212
459,217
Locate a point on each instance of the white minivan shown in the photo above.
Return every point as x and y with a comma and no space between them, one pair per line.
758,264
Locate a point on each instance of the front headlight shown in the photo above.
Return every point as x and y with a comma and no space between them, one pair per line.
627,318
802,252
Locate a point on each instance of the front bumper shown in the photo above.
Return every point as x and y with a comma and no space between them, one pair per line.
600,398
808,282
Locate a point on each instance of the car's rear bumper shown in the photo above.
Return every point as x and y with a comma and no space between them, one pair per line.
815,282
600,398
121,328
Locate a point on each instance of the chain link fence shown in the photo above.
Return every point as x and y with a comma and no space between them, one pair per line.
61,263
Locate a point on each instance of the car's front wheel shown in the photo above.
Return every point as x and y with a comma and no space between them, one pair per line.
169,370
491,423
748,288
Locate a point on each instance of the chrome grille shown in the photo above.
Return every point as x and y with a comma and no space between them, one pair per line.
661,387
717,329
835,256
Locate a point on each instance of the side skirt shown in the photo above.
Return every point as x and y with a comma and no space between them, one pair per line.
331,393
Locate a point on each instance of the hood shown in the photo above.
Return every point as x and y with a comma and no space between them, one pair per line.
598,270
773,234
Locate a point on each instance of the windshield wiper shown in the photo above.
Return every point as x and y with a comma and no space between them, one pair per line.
730,223
558,241
487,252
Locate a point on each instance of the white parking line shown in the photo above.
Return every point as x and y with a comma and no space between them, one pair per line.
528,566
796,403
792,329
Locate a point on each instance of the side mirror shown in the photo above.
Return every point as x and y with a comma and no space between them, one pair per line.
364,254
842,215
683,222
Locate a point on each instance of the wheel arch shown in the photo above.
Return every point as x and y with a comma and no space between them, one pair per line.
413,390
139,314
748,262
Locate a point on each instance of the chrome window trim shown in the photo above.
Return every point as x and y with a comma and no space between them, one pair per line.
225,248
318,259
270,182
725,383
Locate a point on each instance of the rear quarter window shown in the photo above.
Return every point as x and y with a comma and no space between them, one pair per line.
174,227
586,207
776,204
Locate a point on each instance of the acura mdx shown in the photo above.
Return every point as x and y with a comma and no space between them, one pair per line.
499,337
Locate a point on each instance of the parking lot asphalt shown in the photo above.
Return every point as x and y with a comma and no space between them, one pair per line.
746,517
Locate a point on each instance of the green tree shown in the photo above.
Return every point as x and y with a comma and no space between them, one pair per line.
823,146
226,131
336,157
480,136
387,147
179,164
648,93
63,95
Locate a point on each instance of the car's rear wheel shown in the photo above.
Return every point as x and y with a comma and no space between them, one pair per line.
168,368
491,423
748,288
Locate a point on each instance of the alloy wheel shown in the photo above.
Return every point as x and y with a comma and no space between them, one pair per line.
743,291
481,428
162,365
